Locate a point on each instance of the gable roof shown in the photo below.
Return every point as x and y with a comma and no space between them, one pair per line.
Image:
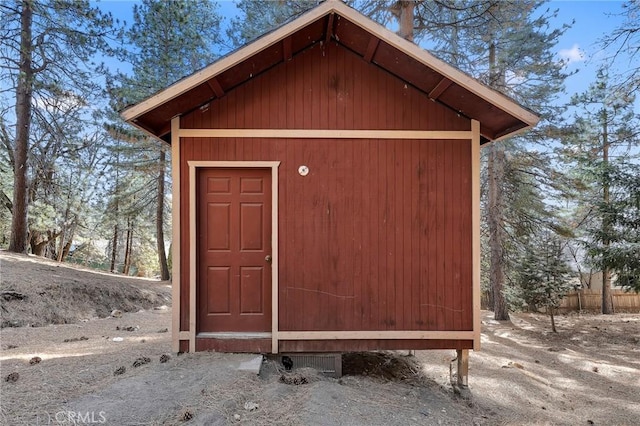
499,116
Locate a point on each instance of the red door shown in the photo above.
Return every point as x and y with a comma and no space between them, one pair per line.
233,237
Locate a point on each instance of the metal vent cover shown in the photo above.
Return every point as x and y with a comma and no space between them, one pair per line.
329,364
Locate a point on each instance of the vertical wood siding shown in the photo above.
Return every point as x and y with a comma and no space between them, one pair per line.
326,88
378,235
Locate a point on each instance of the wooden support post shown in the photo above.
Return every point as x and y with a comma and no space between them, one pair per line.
286,49
440,88
329,32
463,367
214,85
371,48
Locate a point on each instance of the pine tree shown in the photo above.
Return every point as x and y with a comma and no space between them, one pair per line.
622,255
47,50
519,55
170,40
6,183
543,276
508,46
624,42
256,17
601,143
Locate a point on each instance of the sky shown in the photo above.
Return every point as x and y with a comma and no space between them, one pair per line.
579,45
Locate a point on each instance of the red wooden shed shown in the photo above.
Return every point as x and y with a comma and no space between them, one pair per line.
326,192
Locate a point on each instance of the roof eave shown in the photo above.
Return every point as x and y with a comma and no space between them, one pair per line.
514,133
227,62
414,51
448,71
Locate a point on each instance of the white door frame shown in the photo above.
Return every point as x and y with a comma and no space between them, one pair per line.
193,166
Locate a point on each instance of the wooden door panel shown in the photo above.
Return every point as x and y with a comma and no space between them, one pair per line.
251,226
234,240
218,291
251,186
251,282
221,185
218,237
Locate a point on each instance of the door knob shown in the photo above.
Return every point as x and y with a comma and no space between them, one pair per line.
267,258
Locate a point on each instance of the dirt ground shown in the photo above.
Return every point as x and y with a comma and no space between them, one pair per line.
37,292
588,373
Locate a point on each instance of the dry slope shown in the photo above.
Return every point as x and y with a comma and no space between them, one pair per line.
37,292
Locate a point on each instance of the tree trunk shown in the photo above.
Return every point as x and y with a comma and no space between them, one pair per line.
127,248
495,174
607,305
61,245
6,201
63,232
405,19
130,247
114,248
495,171
24,94
38,243
67,247
162,256
490,299
553,320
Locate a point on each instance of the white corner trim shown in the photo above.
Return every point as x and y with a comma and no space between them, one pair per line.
475,230
175,235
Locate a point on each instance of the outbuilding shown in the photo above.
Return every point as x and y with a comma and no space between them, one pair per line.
326,193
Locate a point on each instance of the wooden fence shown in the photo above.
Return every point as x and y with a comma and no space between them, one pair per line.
591,301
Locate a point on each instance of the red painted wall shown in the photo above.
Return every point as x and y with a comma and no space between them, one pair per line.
378,235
